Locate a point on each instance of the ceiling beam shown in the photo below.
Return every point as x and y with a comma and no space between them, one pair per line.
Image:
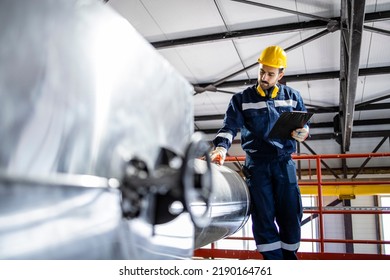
370,122
243,33
352,18
316,110
198,89
264,31
377,30
355,134
303,77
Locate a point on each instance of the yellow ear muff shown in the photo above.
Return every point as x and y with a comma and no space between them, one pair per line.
273,94
275,91
260,91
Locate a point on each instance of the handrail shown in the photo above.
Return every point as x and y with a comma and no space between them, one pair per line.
322,156
321,210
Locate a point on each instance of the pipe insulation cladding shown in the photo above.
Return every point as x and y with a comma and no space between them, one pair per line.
90,161
82,94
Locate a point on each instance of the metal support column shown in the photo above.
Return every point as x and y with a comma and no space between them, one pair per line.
352,19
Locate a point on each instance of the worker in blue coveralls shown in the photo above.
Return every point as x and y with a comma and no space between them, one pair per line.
276,206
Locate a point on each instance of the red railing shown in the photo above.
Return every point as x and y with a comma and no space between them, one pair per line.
213,252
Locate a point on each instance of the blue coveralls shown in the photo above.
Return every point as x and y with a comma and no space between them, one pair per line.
272,180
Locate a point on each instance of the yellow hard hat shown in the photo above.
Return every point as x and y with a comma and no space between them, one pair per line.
273,56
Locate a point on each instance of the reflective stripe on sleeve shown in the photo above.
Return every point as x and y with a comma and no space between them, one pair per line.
226,135
277,144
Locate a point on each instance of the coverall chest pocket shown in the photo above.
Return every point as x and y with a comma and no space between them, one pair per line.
256,121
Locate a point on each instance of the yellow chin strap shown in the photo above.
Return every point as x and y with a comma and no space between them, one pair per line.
273,94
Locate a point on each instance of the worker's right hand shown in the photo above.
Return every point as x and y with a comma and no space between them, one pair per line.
218,155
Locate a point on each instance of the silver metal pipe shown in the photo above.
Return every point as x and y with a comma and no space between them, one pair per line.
229,205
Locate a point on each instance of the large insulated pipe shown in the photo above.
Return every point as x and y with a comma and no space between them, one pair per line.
82,132
83,94
228,208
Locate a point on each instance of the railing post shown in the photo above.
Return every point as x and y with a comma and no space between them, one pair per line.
320,214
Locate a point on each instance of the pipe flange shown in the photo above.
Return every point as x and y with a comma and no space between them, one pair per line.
197,186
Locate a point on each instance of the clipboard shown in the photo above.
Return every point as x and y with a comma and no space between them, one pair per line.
287,122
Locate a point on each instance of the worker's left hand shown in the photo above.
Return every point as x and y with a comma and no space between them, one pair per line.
300,134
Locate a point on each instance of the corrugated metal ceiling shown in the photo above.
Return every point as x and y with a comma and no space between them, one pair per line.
217,43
